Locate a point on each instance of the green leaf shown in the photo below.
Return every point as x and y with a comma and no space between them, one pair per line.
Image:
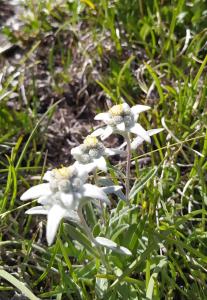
18,284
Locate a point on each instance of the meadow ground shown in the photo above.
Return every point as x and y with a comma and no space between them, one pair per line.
62,62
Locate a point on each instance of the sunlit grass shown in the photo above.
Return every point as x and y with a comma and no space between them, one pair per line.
139,51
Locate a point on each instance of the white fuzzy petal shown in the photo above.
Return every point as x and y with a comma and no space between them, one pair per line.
83,170
92,191
125,106
138,140
45,200
100,163
76,152
72,215
54,217
115,189
112,245
37,191
67,200
107,132
102,117
121,127
37,210
48,176
140,131
98,132
136,109
113,151
154,131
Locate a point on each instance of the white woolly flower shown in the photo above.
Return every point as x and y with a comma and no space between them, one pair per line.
122,119
90,154
139,140
62,196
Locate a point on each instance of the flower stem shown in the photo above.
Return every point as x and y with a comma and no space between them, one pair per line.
129,153
95,176
92,239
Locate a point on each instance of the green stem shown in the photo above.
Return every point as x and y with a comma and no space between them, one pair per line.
92,239
147,273
95,176
129,154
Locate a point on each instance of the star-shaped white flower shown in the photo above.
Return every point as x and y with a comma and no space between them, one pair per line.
122,119
90,154
62,196
139,140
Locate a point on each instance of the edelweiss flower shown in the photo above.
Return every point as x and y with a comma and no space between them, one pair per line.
138,140
90,154
62,196
122,119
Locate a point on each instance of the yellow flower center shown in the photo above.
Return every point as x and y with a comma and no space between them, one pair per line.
63,173
116,110
90,141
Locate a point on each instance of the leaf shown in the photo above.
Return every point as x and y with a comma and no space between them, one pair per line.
150,288
125,66
157,82
112,245
18,284
142,182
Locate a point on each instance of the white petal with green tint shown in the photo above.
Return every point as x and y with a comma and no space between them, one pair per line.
36,191
112,245
140,131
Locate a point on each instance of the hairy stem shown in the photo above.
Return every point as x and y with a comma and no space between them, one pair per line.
95,176
129,153
93,240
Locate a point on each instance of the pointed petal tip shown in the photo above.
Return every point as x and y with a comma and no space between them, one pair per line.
36,191
137,109
37,210
102,117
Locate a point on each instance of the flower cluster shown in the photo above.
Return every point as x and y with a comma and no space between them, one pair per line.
62,196
122,119
66,189
91,154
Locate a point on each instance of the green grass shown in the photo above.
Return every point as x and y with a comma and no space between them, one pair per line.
125,49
